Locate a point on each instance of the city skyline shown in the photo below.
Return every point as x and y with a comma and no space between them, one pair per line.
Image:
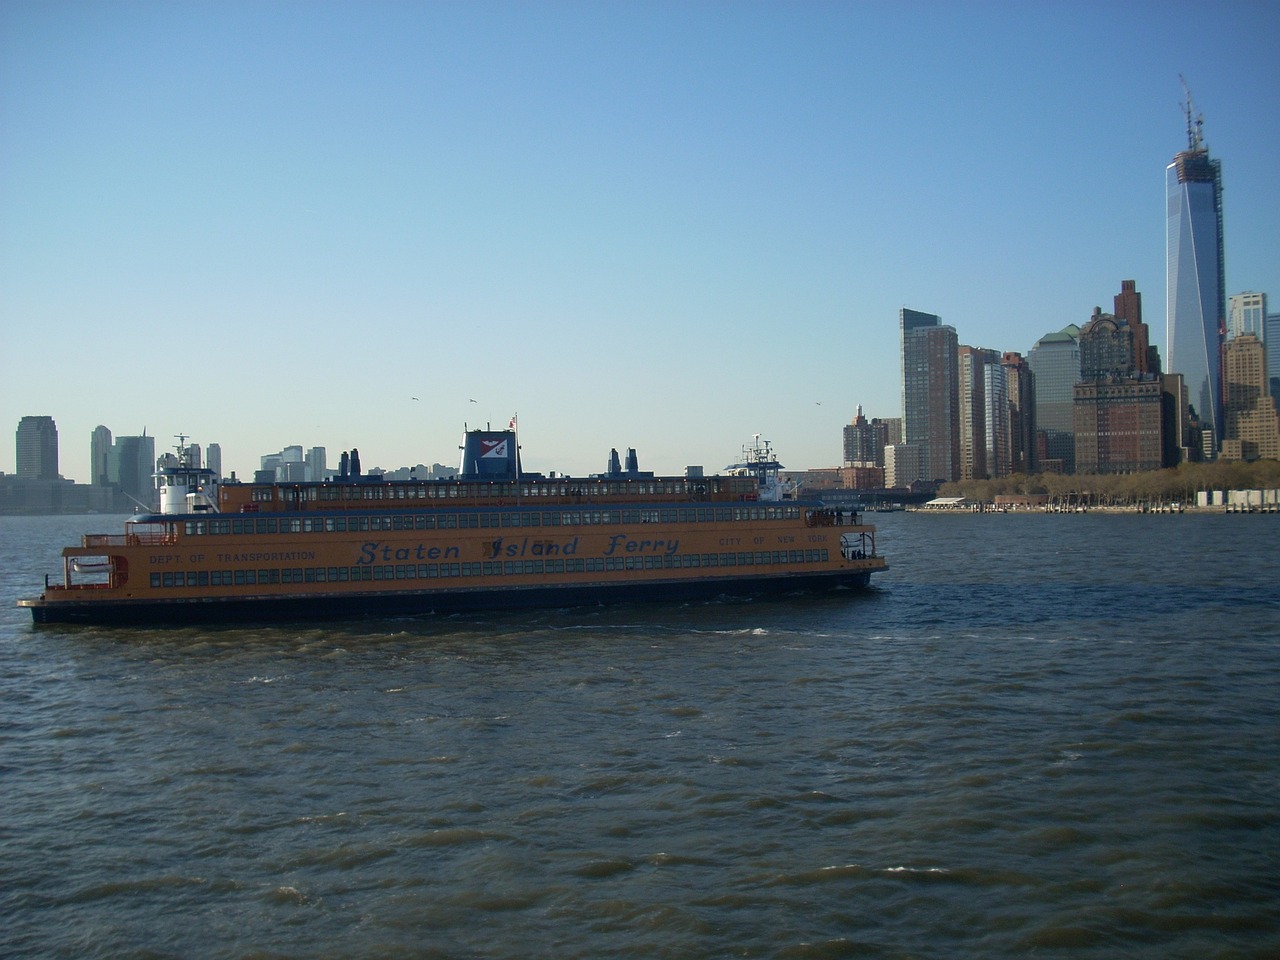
254,225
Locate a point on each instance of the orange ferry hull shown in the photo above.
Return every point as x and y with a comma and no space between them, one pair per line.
277,609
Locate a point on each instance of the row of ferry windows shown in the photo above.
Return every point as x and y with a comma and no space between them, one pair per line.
455,491
453,521
487,568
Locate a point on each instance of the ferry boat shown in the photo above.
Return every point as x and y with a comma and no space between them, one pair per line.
494,537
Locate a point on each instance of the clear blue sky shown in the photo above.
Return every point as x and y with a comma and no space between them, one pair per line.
660,225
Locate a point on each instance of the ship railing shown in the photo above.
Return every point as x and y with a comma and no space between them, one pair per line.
858,546
53,587
833,517
98,540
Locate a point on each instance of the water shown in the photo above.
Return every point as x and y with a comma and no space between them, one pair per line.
1039,736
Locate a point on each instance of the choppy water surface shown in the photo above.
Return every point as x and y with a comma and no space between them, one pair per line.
1039,736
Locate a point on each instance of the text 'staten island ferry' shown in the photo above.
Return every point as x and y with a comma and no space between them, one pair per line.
492,538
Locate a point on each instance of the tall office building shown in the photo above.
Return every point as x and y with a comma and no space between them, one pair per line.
1196,281
1020,387
317,463
1272,342
131,468
1251,427
213,459
37,441
1119,406
1128,307
1247,313
860,446
1118,425
1055,363
983,408
99,456
999,423
973,422
931,393
903,464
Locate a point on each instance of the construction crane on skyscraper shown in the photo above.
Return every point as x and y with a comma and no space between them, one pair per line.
1195,120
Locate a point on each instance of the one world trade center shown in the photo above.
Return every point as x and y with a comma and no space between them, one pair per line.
1197,291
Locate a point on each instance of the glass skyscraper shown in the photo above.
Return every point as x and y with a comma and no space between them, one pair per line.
37,443
1197,298
931,392
1055,361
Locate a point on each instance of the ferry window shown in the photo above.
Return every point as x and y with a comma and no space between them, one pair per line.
263,493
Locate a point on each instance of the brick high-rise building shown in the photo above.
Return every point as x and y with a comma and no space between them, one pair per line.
1117,406
860,443
1020,387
